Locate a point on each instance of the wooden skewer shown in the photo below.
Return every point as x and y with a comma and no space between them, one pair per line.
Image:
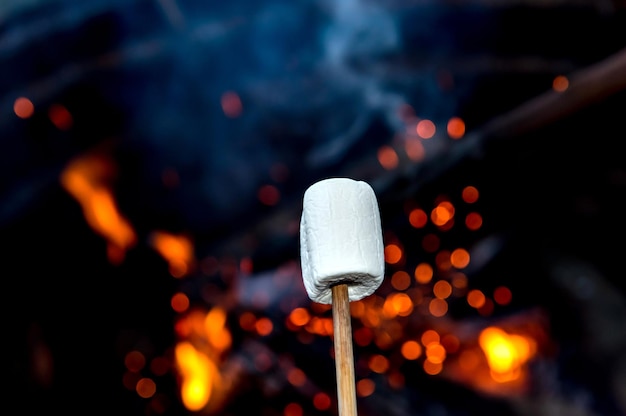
344,358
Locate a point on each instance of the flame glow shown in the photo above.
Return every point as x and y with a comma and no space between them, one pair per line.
506,354
177,250
205,339
85,178
198,375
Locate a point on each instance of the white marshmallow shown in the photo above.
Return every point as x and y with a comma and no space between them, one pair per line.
341,239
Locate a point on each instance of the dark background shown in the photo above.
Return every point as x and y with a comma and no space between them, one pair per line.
323,86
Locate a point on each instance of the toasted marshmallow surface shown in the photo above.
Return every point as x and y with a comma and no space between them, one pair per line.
341,239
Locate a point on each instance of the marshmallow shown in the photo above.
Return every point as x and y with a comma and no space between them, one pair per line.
341,239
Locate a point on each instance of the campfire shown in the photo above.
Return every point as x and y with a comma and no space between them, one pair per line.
156,158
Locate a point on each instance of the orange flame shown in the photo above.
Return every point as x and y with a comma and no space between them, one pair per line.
198,376
177,250
506,353
85,178
199,356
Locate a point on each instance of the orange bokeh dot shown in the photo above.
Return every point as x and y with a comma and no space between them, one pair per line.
60,117
418,218
300,316
179,302
396,380
425,129
502,295
400,280
393,253
387,157
365,387
560,83
438,307
473,221
398,304
429,336
378,363
442,289
411,350
145,388
135,361
460,258
440,215
264,326
293,409
23,107
414,149
435,352
476,298
247,321
423,273
321,401
456,128
432,368
296,377
470,194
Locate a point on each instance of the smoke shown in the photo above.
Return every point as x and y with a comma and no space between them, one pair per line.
306,101
358,32
318,83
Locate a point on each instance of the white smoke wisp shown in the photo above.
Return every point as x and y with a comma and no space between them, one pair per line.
359,32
